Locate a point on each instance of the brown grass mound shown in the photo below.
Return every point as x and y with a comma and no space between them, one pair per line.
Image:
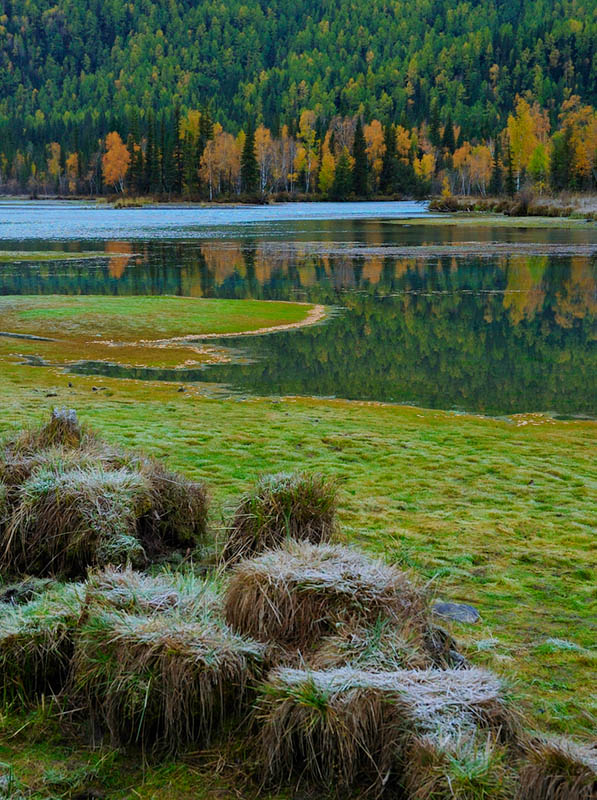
124,589
558,769
161,681
334,737
69,501
64,522
287,505
301,592
62,429
178,517
36,643
461,767
381,647
347,725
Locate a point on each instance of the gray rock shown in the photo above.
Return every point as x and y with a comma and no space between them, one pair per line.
461,612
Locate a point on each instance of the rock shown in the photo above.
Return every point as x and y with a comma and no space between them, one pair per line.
460,612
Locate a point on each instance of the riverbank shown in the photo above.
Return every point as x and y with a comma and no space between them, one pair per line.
575,206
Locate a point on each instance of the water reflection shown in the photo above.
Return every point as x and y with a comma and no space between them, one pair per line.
497,334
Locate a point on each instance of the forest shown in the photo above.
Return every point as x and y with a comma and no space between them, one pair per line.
159,99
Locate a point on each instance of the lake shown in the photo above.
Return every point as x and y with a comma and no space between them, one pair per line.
478,317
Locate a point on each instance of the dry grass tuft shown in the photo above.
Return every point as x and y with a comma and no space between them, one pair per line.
335,737
178,517
124,589
66,521
381,647
161,681
69,501
346,725
295,505
301,592
461,767
36,643
558,769
63,429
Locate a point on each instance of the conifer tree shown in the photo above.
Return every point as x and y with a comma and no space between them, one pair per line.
389,168
150,163
434,127
360,169
510,179
561,159
177,153
249,168
448,141
343,177
496,182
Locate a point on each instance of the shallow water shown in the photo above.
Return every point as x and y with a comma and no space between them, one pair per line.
472,317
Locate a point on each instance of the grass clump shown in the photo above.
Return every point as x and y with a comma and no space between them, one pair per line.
457,768
346,726
294,505
36,643
65,521
380,646
159,680
558,769
317,732
69,501
301,592
178,516
124,589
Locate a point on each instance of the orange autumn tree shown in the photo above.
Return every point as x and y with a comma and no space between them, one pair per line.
116,160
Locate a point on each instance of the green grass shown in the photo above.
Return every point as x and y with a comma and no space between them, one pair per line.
125,318
134,331
497,513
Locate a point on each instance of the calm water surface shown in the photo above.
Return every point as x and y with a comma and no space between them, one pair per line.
489,319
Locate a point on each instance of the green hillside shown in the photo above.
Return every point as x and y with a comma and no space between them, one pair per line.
71,61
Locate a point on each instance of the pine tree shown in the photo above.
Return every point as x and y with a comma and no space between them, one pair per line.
343,175
389,167
360,169
151,167
434,128
249,169
496,183
561,160
510,179
448,141
177,153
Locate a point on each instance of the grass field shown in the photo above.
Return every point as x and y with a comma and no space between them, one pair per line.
136,331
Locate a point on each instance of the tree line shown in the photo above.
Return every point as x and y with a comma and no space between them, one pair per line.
188,155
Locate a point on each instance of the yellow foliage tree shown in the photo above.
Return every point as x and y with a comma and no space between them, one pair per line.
308,157
527,128
72,171
375,146
425,166
116,160
328,168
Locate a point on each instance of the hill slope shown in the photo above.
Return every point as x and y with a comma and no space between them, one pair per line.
63,61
